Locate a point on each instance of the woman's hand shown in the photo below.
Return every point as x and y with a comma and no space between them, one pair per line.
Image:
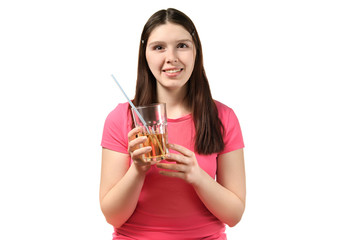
186,166
225,198
136,151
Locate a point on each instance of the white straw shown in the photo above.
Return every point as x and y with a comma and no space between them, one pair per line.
132,105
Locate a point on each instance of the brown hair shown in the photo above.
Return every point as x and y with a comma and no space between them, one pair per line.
209,128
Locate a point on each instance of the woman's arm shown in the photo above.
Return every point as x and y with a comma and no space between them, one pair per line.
120,185
225,198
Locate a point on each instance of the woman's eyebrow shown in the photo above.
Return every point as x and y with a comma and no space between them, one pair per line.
162,43
156,43
184,40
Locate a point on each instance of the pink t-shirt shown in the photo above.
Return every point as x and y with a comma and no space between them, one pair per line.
169,208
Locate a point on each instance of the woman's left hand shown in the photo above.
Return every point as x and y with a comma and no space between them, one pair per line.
186,166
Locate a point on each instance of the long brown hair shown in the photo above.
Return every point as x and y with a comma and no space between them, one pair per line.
209,129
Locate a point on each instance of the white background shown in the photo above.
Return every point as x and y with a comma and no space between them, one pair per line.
289,69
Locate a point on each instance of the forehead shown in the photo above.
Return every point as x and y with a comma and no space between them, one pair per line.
169,32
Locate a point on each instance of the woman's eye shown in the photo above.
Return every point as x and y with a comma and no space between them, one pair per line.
182,45
158,48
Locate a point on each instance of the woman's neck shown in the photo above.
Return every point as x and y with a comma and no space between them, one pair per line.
176,105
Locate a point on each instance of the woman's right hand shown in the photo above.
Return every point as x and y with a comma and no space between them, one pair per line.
136,151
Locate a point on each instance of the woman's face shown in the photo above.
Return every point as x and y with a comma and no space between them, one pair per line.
170,54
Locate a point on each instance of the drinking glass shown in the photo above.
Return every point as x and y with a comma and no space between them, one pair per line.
154,116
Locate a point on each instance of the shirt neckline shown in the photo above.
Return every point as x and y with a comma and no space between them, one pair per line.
180,119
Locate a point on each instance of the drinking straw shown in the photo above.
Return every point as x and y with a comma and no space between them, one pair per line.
132,105
139,115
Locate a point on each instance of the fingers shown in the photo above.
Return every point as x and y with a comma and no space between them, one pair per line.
132,134
137,156
176,170
173,157
185,156
173,174
136,152
183,150
174,167
134,144
135,140
185,166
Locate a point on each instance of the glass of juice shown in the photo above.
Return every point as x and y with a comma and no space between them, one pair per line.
155,129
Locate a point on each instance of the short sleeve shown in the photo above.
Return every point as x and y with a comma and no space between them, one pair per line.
232,136
116,128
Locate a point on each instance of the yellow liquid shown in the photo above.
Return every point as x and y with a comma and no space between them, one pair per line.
157,152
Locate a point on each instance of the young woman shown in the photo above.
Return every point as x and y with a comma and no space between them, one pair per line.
200,187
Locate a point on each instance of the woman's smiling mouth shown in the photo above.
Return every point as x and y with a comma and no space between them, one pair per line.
172,72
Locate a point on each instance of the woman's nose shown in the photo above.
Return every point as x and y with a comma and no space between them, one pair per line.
171,56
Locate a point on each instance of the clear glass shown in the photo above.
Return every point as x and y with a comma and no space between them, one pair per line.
155,118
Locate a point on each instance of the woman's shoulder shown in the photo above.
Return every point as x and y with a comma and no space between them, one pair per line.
222,108
116,127
122,107
120,110
121,113
232,132
225,112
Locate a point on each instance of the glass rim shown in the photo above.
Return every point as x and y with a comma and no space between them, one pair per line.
150,105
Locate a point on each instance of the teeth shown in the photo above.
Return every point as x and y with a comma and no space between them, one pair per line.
173,70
